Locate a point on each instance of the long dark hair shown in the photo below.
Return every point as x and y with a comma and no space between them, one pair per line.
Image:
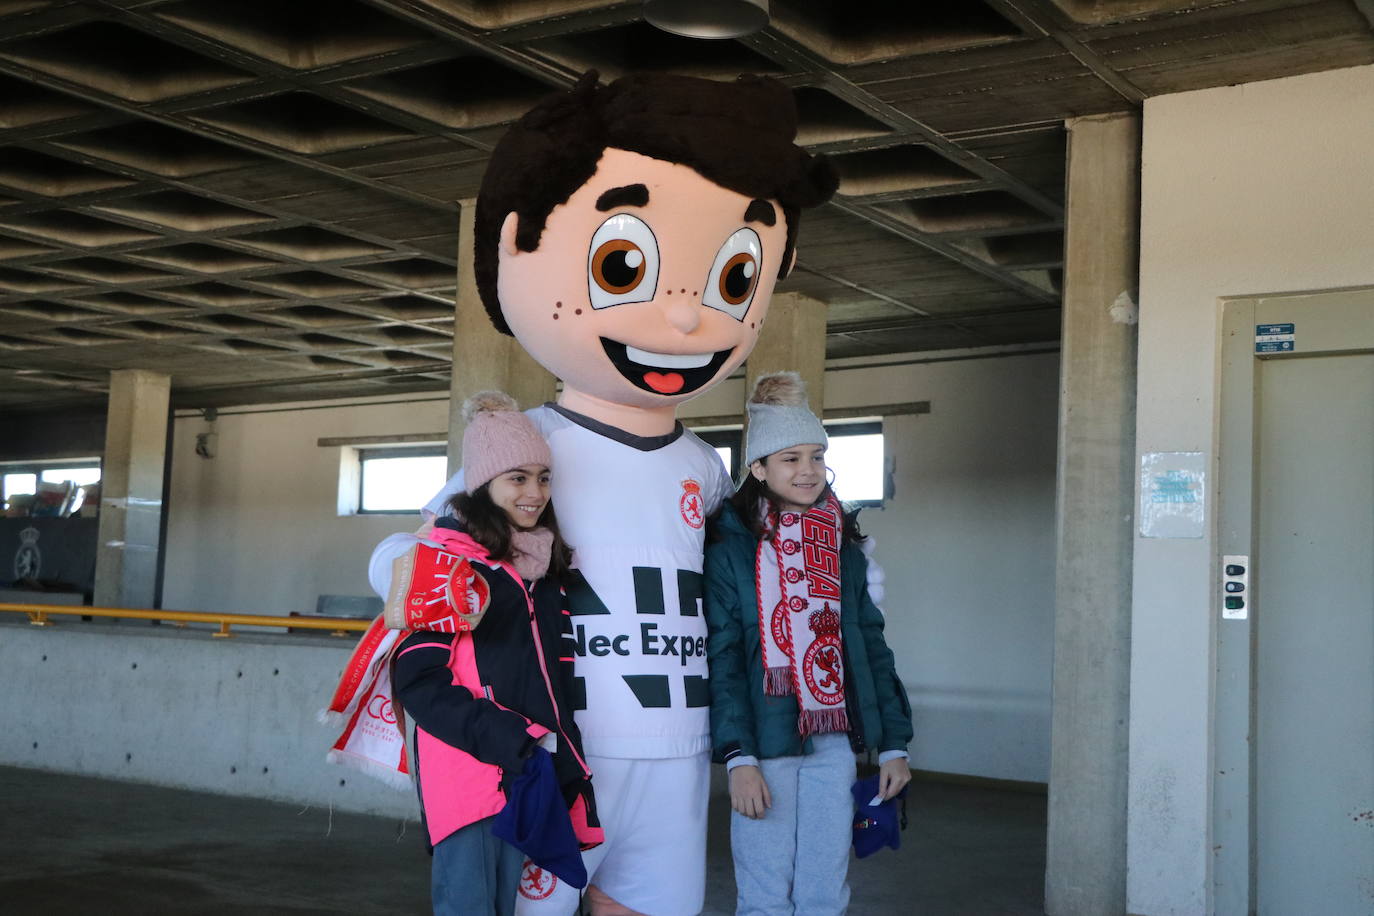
753,494
487,524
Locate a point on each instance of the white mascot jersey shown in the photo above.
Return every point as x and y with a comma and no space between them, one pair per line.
634,511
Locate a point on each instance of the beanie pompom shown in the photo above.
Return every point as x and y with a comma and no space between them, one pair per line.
487,402
780,389
780,417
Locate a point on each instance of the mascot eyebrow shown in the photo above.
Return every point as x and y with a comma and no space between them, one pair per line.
631,195
760,211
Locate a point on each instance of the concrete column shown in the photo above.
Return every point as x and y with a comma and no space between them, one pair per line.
1085,870
483,358
793,338
131,489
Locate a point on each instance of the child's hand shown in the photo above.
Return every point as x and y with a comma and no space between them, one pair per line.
892,777
749,792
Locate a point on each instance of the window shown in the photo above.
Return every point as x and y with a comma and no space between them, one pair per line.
727,445
78,476
60,483
399,479
20,483
855,456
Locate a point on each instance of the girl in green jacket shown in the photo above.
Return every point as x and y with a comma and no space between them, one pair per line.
801,677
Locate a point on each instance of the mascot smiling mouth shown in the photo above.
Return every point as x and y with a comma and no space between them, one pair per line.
664,373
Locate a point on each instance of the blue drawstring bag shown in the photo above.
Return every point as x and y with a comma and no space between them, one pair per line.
535,821
876,826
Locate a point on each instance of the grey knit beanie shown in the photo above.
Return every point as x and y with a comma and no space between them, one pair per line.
779,417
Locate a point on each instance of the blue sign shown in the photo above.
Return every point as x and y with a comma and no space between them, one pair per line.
1275,338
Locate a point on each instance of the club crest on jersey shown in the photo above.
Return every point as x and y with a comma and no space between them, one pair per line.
536,883
692,505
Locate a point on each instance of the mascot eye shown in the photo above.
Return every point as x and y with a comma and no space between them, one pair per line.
735,274
623,263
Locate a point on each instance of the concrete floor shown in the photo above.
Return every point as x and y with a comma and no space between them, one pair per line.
75,845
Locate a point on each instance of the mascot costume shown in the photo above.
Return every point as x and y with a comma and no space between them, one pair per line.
629,236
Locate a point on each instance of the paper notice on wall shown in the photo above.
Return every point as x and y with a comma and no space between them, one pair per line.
1173,494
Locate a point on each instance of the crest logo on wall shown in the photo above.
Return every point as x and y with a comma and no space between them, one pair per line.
28,559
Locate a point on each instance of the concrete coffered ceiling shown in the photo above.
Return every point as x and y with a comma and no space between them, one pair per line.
258,196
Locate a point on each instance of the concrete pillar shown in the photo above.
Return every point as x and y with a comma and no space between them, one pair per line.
131,508
484,358
1085,870
793,338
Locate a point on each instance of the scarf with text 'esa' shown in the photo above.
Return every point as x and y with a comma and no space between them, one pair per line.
797,575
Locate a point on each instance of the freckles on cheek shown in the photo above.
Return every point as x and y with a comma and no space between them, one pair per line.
558,309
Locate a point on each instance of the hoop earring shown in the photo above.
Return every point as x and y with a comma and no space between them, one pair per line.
829,476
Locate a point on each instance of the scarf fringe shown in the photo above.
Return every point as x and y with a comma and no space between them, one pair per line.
822,721
777,682
329,717
389,775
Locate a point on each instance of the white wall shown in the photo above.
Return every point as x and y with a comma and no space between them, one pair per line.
968,542
968,547
1258,188
256,528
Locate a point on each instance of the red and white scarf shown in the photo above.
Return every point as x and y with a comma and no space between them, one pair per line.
372,739
797,574
432,588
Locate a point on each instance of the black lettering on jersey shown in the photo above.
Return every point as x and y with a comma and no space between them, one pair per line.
689,593
648,590
599,645
650,689
648,637
582,598
651,642
698,691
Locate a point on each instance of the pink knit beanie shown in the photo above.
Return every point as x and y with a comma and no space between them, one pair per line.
498,437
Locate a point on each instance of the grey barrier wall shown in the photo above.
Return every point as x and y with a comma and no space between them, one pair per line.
176,707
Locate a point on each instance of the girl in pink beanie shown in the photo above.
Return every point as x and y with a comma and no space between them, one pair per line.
485,671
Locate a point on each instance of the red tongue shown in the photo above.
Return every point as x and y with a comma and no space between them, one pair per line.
664,382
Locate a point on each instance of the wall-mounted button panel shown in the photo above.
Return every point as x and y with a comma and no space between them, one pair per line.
1235,588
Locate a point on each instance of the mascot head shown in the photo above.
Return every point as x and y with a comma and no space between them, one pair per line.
630,235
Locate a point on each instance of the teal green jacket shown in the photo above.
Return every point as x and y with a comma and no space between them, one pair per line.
745,720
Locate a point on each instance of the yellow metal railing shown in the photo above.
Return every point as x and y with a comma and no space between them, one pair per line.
38,615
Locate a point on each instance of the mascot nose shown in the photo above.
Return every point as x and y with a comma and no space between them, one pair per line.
683,313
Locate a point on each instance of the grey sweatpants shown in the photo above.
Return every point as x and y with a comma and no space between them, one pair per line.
795,859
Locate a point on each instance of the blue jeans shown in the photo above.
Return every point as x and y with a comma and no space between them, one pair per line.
474,873
795,859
